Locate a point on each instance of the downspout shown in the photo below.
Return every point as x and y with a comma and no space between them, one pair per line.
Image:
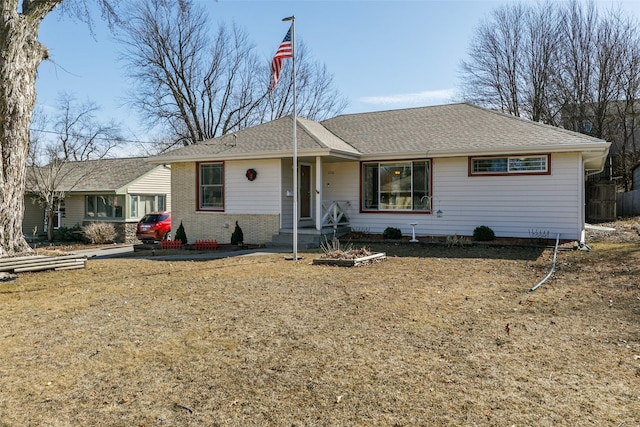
593,171
553,265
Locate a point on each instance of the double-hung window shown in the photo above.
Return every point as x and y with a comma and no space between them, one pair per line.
508,165
396,186
211,186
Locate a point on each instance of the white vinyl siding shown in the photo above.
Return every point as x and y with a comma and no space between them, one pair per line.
513,206
153,184
341,181
158,181
260,196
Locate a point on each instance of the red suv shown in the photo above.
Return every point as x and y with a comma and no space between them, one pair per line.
154,226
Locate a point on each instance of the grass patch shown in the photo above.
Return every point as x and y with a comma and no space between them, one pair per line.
432,336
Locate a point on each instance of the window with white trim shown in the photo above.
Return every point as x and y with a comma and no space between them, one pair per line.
396,186
142,204
106,206
509,165
211,186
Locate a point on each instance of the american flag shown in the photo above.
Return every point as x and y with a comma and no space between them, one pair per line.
285,50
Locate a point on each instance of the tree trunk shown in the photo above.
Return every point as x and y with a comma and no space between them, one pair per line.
51,217
20,55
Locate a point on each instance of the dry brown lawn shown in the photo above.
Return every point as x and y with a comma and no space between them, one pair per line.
432,336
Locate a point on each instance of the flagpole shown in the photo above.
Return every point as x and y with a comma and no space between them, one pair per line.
295,142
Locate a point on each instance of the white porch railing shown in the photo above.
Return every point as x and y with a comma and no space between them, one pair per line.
334,213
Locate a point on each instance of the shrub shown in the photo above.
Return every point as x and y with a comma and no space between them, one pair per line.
99,232
392,233
483,234
69,234
180,234
237,238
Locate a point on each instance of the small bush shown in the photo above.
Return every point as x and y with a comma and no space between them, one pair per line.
99,232
392,233
237,238
69,234
483,234
181,235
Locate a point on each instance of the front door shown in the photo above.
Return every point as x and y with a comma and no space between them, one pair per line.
305,191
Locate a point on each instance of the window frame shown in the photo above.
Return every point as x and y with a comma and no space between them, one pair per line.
222,185
135,204
113,207
508,172
377,187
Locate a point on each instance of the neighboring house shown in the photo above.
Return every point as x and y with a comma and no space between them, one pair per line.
448,169
117,191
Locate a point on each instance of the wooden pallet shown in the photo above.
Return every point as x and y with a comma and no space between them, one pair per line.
42,262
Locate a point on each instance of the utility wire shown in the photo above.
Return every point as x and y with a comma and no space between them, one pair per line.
97,137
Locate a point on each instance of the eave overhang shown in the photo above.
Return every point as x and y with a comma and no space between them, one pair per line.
589,151
254,156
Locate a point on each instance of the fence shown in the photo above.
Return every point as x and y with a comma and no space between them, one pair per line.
206,245
628,203
601,201
171,244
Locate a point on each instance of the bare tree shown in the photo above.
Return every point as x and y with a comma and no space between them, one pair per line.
493,73
600,83
316,97
199,87
196,87
624,131
58,165
577,72
20,54
541,54
565,64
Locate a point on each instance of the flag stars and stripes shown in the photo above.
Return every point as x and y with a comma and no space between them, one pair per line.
285,50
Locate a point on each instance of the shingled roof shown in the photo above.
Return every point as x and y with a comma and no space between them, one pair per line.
268,140
103,175
446,130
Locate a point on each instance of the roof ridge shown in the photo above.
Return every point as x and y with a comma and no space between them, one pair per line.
395,110
316,138
108,159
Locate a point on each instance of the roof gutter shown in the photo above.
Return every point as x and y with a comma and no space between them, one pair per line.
601,149
252,156
595,171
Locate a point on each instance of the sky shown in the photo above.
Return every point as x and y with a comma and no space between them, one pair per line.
382,55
